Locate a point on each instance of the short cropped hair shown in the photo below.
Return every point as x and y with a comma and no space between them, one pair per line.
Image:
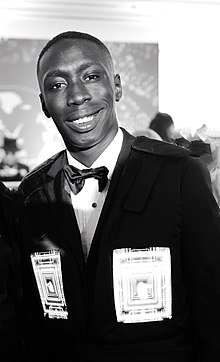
73,35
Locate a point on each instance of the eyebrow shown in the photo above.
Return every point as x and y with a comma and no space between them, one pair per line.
53,73
58,72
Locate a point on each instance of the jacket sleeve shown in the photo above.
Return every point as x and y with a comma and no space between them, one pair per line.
201,256
11,341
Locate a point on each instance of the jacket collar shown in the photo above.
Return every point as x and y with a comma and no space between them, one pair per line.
160,148
58,164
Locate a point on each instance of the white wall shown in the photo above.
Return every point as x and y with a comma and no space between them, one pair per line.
189,51
189,60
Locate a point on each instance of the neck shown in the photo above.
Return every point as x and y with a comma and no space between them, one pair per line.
88,156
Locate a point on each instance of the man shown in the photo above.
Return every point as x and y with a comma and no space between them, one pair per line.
124,265
11,169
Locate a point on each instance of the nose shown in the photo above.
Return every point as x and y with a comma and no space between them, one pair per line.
77,94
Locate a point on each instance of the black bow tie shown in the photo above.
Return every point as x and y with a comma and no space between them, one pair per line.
76,178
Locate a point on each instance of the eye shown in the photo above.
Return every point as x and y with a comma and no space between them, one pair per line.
91,77
58,85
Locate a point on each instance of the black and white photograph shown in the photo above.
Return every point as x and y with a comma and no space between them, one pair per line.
109,181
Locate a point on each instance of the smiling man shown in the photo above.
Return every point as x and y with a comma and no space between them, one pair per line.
120,235
79,90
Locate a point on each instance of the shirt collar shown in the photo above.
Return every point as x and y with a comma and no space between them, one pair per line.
108,158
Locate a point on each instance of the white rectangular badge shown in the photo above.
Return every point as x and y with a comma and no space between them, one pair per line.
47,270
142,284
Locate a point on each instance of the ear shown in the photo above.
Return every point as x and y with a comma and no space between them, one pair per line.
43,105
118,87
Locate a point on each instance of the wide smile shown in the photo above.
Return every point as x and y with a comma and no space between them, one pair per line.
84,119
86,122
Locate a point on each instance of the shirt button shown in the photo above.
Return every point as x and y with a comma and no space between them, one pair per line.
94,204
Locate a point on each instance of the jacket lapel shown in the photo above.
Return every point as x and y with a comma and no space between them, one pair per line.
111,200
143,180
61,208
131,184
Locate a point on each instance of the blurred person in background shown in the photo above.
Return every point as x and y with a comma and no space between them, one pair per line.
163,125
11,168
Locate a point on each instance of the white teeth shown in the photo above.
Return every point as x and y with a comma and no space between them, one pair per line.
83,120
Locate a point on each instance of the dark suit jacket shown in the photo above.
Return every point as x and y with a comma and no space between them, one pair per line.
159,197
11,341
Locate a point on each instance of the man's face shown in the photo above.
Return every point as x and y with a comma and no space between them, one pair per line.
78,90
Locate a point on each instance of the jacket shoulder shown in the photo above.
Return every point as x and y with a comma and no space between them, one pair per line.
36,177
159,148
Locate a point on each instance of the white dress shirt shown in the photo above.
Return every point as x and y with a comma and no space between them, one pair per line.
89,201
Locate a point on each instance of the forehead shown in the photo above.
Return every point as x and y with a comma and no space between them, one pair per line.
74,52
